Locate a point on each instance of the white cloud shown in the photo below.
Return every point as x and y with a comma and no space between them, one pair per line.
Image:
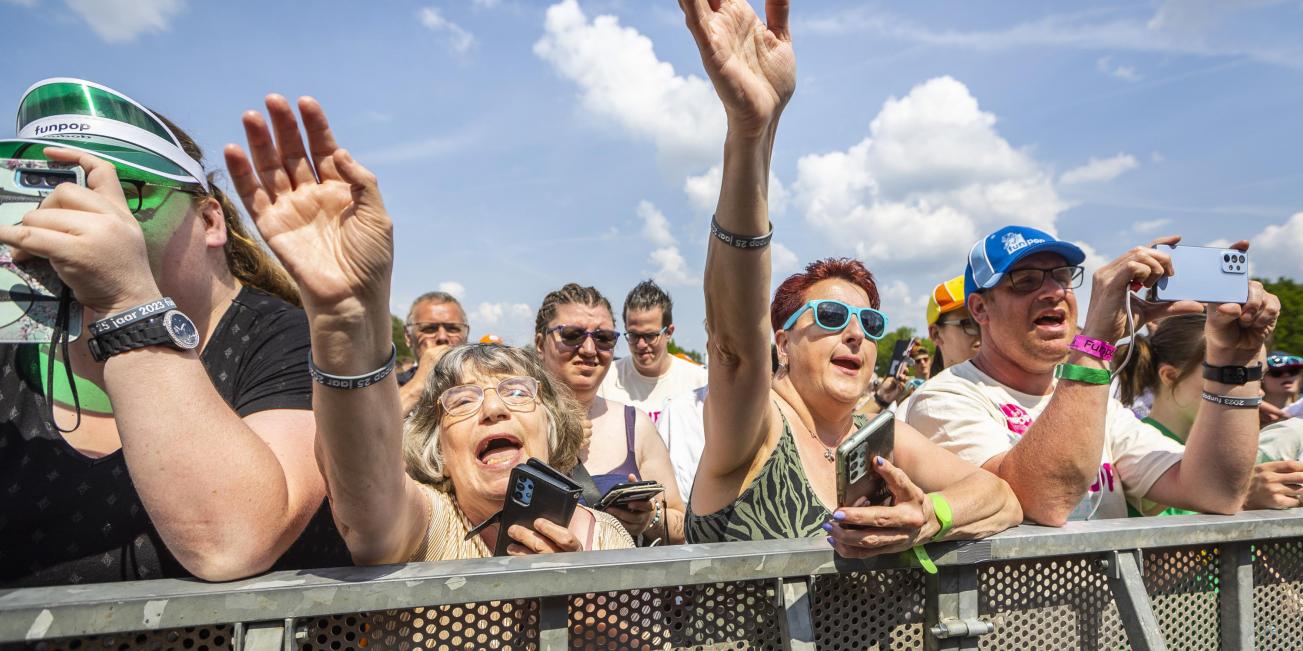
121,21
621,80
459,39
1125,73
514,322
1098,170
655,227
933,173
703,192
784,261
671,268
1274,251
1180,27
1149,226
453,287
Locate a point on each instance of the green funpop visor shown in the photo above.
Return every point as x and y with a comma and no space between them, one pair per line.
89,117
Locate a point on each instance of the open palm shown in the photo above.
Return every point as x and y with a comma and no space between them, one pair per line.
323,217
751,63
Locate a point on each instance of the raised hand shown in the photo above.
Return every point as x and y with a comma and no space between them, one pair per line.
1235,333
90,238
1112,284
751,63
322,216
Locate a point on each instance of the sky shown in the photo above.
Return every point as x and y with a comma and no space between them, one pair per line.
523,145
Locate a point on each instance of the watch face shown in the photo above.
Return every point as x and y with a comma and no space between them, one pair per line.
182,330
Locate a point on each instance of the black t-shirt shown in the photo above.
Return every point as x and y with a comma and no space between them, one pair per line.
66,518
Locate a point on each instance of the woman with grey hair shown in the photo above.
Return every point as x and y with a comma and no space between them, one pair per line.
485,408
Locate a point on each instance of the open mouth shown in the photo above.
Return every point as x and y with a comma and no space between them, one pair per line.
499,450
1051,319
848,363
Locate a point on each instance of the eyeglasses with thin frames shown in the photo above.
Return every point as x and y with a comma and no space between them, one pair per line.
650,337
969,326
519,394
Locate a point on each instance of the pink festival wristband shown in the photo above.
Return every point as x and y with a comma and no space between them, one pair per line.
1101,350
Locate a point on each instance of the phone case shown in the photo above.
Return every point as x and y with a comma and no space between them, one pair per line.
536,490
855,475
630,492
1203,274
29,292
899,353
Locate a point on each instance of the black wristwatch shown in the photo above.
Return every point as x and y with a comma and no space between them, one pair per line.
1232,374
171,328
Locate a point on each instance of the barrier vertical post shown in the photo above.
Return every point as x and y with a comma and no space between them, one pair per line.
1128,583
951,609
797,625
554,622
1235,595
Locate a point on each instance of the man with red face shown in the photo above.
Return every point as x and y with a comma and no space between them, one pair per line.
1033,405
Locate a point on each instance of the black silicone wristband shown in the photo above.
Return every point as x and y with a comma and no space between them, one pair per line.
353,381
1232,374
134,315
738,241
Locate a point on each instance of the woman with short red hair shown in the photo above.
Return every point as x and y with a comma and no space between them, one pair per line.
767,469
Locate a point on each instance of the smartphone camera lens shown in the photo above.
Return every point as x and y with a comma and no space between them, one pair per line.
1242,258
1226,257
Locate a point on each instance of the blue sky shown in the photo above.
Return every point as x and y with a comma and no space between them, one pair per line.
522,145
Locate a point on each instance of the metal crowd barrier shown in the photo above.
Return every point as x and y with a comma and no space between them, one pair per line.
1187,582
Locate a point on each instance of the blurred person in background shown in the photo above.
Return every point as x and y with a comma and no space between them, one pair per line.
650,374
435,324
950,326
1281,386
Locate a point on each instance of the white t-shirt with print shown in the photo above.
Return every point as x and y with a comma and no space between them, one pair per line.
625,384
967,412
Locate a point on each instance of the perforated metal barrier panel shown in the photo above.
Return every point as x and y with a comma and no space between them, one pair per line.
868,610
1278,595
1043,604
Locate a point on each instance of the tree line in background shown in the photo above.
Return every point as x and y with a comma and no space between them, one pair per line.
1289,329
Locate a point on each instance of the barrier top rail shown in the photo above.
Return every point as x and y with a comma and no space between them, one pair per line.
74,610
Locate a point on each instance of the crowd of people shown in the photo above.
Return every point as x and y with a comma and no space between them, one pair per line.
224,411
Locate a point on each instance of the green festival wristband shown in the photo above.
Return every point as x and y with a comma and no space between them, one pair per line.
1083,374
941,508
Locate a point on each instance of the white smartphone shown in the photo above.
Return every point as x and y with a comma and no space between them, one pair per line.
1203,274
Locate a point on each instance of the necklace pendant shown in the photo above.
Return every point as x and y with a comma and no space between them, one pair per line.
827,454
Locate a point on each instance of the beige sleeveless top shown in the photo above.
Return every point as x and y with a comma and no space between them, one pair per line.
444,539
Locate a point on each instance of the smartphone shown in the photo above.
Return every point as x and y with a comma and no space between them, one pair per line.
900,353
1203,274
536,490
30,291
856,477
622,494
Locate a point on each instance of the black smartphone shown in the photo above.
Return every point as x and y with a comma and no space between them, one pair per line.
856,477
899,354
536,490
636,491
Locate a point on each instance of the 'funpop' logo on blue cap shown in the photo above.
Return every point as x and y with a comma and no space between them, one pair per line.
994,254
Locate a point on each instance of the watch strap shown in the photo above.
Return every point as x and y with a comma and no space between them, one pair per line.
1232,374
149,332
1083,374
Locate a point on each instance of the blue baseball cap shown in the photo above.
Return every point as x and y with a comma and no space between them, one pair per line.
994,254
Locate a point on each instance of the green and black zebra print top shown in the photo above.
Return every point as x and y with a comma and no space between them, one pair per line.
779,503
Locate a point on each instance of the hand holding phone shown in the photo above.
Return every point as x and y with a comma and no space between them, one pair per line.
863,531
856,479
535,491
1203,274
30,289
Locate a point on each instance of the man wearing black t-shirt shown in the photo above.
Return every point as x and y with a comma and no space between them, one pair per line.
193,452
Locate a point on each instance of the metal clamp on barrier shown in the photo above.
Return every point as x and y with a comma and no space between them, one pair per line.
948,628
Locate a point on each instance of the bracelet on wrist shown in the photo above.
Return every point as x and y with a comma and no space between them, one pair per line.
125,318
1238,375
945,517
740,241
1097,348
354,381
1083,374
1234,402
